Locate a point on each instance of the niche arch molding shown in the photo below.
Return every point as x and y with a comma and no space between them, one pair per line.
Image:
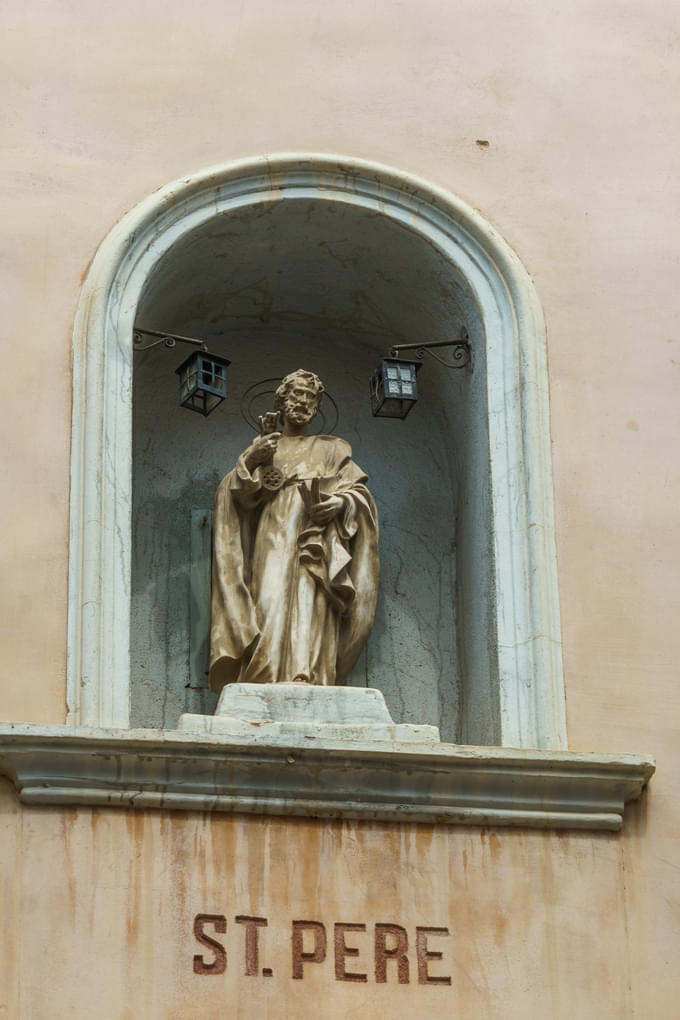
526,607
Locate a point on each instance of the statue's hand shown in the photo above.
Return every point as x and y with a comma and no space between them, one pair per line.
269,422
262,450
326,509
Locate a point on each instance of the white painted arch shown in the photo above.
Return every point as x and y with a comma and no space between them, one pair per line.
526,608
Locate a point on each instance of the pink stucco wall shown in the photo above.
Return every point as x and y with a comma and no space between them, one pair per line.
578,104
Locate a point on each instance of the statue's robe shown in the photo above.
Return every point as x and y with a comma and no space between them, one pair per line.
292,601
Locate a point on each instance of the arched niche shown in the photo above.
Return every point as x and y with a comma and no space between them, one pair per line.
321,262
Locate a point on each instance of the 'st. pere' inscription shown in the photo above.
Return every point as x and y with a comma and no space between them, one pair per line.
359,954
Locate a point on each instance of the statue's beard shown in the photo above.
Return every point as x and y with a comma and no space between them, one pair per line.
300,415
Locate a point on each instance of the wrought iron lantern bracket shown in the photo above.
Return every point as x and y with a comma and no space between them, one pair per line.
167,339
461,354
393,386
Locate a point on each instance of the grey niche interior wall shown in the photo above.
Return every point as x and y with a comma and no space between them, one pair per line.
329,287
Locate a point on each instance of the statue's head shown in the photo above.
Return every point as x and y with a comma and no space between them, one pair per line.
298,397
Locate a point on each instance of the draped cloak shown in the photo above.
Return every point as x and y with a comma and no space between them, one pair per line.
292,600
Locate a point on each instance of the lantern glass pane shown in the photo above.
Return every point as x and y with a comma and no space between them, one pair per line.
188,383
211,402
392,372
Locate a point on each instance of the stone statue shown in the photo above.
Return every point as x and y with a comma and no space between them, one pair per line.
295,553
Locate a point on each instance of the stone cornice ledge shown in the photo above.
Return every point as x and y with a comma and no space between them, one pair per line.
444,783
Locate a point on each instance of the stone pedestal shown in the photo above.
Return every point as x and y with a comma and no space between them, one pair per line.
279,712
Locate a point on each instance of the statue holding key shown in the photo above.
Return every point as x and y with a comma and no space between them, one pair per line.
295,552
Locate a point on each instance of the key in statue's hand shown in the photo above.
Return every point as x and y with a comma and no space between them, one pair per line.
262,450
269,422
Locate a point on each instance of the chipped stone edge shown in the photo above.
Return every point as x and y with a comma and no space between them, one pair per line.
373,781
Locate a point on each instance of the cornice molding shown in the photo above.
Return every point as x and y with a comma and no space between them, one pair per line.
380,781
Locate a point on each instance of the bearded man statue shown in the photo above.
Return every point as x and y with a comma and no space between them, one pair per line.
295,553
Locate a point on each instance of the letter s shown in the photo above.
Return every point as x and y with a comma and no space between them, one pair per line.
219,964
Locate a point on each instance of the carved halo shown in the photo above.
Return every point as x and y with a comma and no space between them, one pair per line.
254,404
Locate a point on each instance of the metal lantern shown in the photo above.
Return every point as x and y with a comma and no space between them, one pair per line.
393,388
202,382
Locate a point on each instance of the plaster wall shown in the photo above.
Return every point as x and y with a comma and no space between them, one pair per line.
578,107
538,925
